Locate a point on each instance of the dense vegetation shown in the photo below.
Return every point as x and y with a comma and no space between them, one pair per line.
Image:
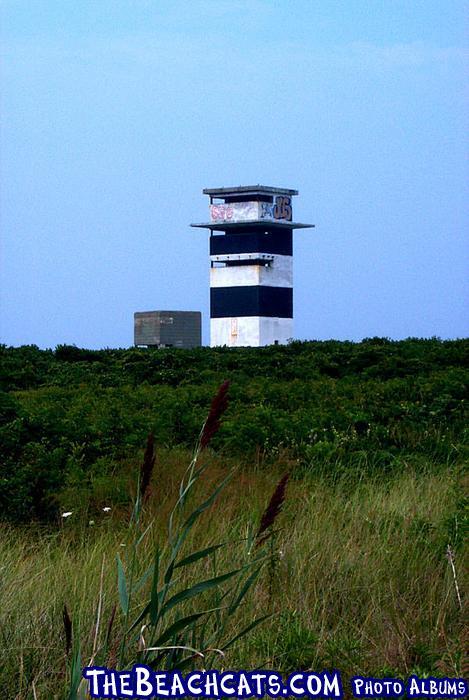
364,565
70,418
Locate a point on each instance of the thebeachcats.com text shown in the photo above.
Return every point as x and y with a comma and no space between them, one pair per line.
143,682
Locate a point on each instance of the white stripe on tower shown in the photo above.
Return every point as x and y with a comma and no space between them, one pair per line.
276,271
241,331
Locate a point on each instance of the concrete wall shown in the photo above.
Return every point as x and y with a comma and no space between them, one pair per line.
250,331
179,329
278,274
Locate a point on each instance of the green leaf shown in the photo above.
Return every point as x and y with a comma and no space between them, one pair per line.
200,587
169,571
75,673
192,475
247,585
142,536
143,579
245,631
181,624
154,597
206,504
122,586
140,617
191,558
196,514
148,607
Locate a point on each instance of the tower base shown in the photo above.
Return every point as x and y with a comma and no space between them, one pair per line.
250,331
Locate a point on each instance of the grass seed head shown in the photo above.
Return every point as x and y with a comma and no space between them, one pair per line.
217,409
146,470
273,509
68,629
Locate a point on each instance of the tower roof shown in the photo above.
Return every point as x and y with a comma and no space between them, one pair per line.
227,225
250,207
248,190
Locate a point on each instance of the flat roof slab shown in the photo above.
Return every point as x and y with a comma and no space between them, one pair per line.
226,226
248,189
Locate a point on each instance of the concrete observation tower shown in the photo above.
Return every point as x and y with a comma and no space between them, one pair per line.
251,261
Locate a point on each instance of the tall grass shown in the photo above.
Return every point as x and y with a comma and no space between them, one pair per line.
187,613
362,580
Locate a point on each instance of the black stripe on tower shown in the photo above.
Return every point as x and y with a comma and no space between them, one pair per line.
274,302
280,242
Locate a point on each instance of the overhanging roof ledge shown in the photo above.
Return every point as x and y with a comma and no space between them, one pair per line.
247,189
225,225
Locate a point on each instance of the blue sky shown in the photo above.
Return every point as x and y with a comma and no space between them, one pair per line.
116,113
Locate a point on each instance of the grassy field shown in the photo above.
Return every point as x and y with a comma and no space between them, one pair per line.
361,567
357,577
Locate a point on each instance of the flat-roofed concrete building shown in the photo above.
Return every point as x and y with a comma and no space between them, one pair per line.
168,329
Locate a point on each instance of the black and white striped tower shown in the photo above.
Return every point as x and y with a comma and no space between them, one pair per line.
251,261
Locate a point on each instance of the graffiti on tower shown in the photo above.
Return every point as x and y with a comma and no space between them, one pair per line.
237,212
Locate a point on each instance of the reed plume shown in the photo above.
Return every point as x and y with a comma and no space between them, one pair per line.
146,470
217,409
111,622
68,629
112,655
272,511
